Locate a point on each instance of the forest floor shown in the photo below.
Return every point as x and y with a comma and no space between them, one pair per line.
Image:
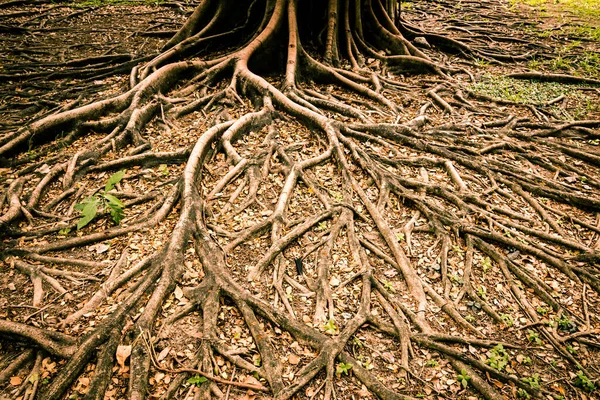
34,83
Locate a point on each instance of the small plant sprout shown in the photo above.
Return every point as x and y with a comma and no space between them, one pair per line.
508,320
533,337
470,318
582,381
342,369
102,200
542,310
498,357
389,286
463,378
482,292
486,264
533,381
197,380
330,327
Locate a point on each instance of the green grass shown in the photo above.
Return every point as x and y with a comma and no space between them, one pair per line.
583,8
586,32
521,91
537,93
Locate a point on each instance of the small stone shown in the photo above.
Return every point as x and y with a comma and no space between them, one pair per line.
421,41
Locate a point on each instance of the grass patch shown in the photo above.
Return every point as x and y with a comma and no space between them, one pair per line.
585,32
582,8
580,105
521,91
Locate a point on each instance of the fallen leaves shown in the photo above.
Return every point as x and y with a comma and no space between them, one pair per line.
293,359
16,380
123,353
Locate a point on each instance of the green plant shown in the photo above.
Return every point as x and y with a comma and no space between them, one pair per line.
508,320
343,368
257,360
330,327
432,363
571,349
400,236
498,357
337,196
463,378
100,201
533,337
582,381
482,292
526,360
197,380
533,381
542,311
486,264
564,323
470,318
522,394
389,286
367,364
456,249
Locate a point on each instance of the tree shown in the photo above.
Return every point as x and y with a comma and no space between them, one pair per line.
458,186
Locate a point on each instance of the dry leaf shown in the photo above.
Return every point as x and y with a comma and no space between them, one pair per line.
16,380
123,353
250,395
251,380
99,248
163,354
293,359
178,293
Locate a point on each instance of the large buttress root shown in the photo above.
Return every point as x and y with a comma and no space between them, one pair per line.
306,238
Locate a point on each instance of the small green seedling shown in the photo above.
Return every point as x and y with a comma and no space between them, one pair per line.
197,380
89,206
584,382
564,323
330,327
463,378
533,337
389,286
541,310
533,381
342,368
522,394
498,358
507,319
486,264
